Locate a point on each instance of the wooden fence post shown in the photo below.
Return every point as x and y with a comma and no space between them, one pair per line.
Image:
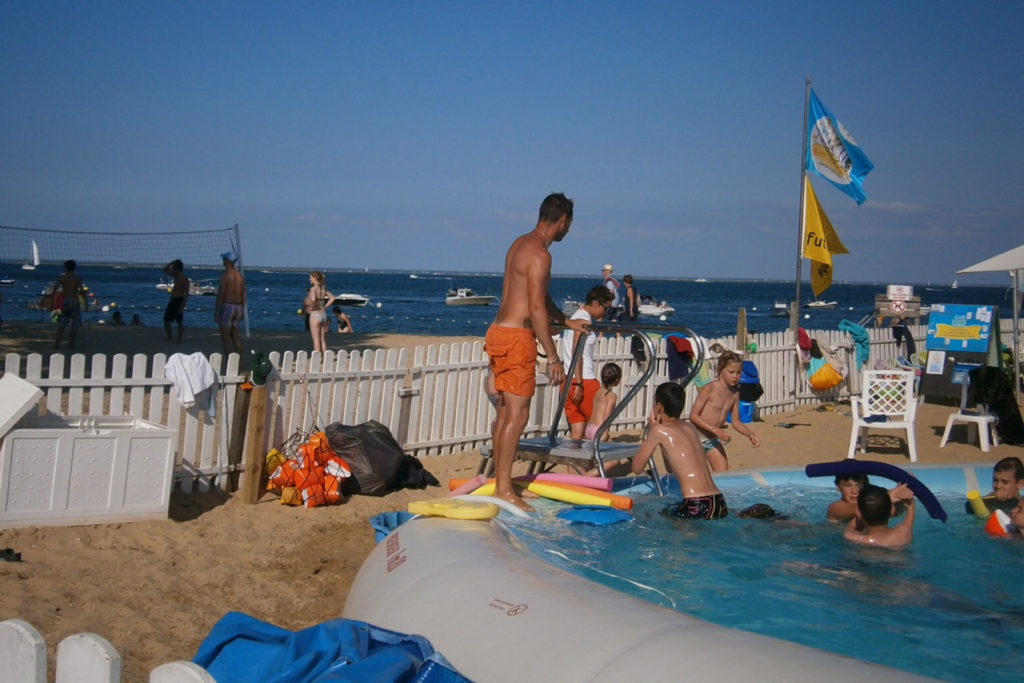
255,430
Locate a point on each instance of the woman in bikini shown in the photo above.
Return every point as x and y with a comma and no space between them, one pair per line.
315,304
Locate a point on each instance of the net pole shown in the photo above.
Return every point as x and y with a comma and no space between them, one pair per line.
237,241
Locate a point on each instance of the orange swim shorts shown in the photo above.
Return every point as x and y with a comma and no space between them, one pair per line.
513,354
582,411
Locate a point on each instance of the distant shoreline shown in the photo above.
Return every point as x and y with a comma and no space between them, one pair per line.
29,337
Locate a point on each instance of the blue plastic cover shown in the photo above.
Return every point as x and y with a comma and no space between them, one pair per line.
242,649
594,514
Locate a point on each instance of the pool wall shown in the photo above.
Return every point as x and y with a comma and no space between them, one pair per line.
498,612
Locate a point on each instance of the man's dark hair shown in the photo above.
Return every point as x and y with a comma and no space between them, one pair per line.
554,207
874,504
671,397
69,265
177,266
599,293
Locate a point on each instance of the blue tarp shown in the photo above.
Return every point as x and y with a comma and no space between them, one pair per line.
242,649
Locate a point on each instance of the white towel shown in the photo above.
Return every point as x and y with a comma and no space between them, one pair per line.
190,375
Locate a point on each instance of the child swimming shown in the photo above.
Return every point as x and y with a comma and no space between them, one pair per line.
876,508
1007,481
604,400
717,399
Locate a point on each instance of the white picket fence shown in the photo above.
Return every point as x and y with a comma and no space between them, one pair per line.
80,658
431,397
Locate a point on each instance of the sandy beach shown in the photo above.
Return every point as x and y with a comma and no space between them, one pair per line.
154,589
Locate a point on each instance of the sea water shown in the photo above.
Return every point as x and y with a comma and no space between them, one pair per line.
415,305
950,605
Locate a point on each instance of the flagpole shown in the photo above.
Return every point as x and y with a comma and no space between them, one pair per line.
794,313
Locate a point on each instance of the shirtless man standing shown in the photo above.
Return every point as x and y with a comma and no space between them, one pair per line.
230,307
524,318
70,291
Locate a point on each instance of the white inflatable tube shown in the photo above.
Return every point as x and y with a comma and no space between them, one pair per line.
500,502
500,613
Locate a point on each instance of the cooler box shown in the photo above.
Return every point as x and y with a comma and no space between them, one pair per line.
79,470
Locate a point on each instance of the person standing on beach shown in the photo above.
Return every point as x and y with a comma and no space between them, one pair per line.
229,309
69,291
630,300
175,311
524,319
315,303
613,286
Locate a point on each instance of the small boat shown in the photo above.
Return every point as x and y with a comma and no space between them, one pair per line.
6,280
955,285
31,265
701,279
413,276
350,299
780,309
818,303
194,288
464,296
651,306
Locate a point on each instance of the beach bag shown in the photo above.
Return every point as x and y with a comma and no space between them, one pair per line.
826,372
825,377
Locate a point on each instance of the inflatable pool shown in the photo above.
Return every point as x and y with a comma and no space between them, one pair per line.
498,612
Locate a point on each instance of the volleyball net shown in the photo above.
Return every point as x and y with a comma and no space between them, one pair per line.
35,246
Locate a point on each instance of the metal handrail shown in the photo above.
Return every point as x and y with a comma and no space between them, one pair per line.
637,330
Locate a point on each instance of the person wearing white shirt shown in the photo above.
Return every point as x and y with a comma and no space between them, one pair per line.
583,382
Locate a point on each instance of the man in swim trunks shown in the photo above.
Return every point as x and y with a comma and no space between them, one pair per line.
523,319
229,309
70,289
680,446
175,311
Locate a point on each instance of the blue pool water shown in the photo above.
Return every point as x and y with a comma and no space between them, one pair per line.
949,606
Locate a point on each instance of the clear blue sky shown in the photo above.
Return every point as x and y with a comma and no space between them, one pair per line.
423,135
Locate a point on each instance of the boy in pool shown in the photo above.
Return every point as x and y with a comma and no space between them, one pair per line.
604,400
849,487
876,508
717,399
1007,481
680,446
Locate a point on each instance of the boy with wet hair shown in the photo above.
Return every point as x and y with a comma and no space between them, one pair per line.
681,448
1007,481
876,508
849,487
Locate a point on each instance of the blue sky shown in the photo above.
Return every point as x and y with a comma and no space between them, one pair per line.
423,135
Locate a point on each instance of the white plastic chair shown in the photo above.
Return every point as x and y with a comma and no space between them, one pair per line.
979,422
887,402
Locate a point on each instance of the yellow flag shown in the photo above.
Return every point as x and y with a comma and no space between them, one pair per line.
820,241
821,277
820,238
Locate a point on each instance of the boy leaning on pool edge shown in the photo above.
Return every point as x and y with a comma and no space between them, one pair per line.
681,448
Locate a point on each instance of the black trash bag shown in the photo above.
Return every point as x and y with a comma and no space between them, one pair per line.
376,459
993,388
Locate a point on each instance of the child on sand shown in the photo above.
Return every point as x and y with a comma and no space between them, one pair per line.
1007,481
875,507
717,399
680,446
604,400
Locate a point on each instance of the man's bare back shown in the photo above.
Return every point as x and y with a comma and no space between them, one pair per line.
231,289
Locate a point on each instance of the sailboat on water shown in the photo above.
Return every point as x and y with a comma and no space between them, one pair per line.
31,265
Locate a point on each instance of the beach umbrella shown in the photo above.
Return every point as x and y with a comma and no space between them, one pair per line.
1012,261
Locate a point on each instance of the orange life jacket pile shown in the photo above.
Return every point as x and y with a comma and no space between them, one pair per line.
313,476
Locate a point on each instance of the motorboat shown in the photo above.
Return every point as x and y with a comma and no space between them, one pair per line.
819,303
31,265
651,306
6,280
350,299
464,296
780,309
194,288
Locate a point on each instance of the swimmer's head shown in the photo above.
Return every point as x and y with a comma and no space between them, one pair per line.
874,505
671,397
760,511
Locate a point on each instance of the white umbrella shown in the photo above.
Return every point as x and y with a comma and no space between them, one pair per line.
1013,261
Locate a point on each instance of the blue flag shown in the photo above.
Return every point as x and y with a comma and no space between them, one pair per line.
832,152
